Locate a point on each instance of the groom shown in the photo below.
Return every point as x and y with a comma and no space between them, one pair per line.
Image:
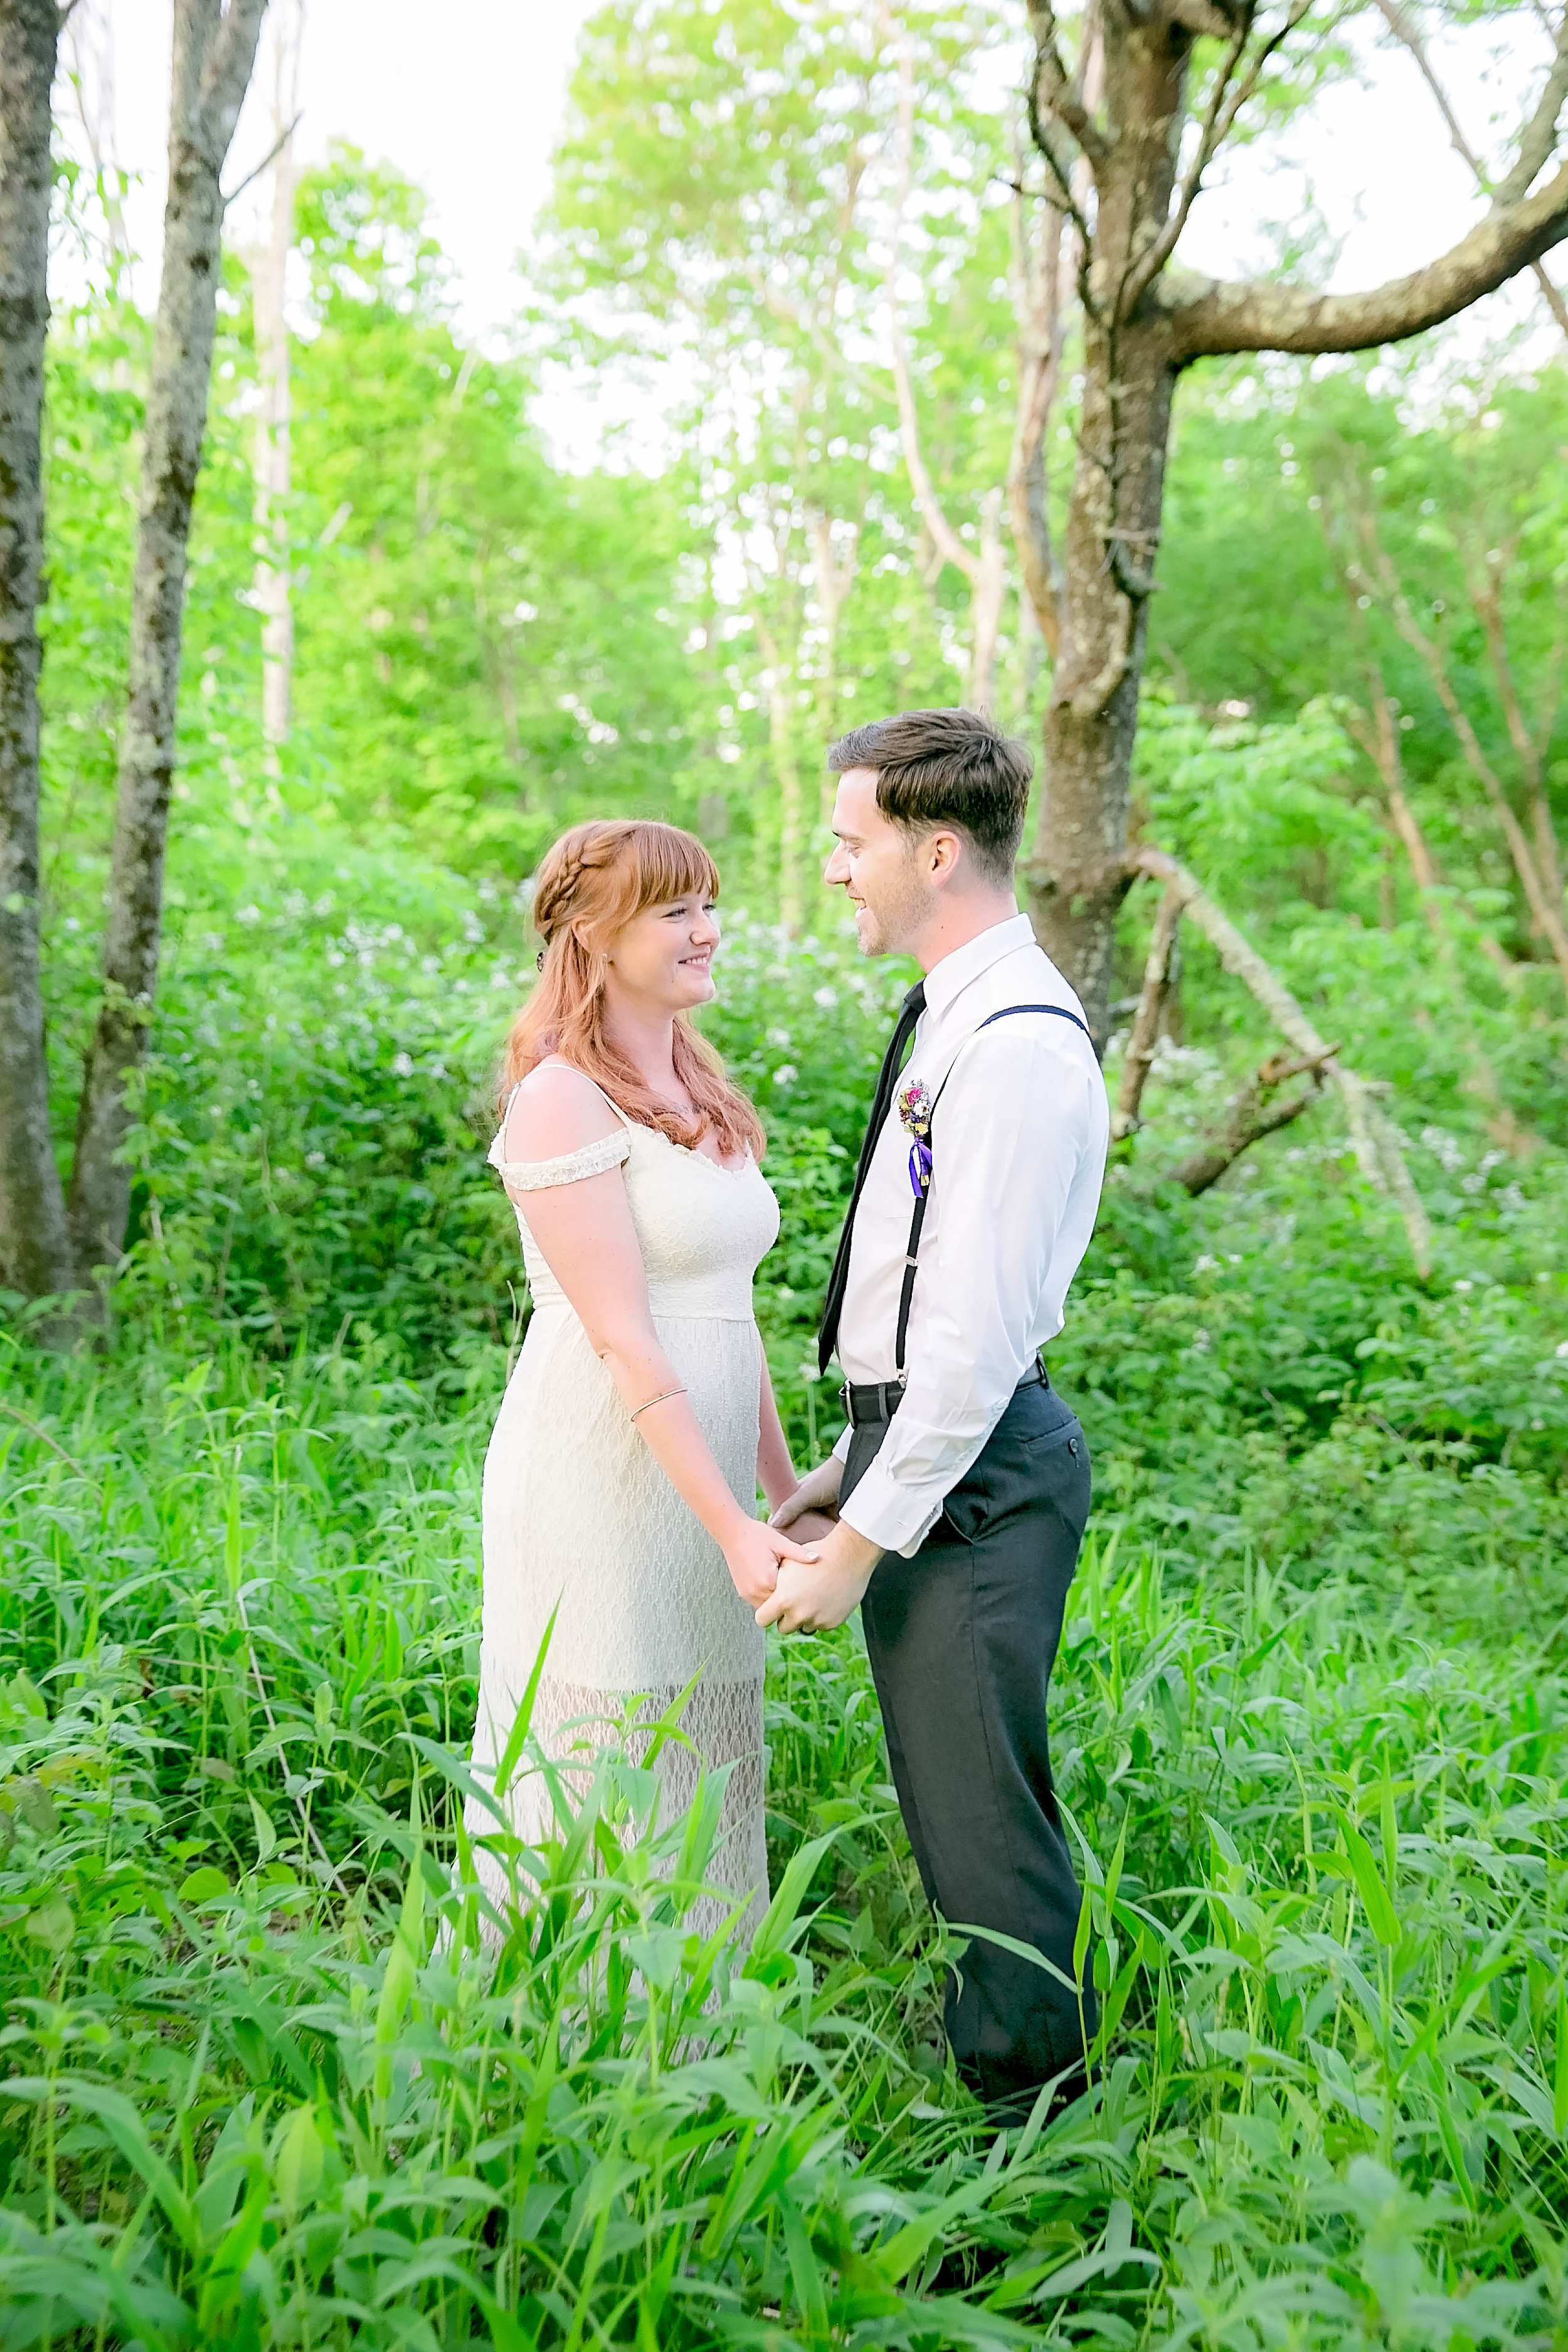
958,1493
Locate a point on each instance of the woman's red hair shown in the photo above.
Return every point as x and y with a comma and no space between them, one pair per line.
592,881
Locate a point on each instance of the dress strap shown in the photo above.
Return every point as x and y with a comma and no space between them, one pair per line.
570,1167
555,1061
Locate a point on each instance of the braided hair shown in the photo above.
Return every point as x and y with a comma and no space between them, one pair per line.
590,884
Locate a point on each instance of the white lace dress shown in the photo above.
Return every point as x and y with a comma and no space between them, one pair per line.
578,1512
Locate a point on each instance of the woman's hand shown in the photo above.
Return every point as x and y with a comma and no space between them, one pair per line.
752,1552
815,1497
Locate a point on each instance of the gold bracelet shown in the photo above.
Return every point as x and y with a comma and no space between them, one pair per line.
648,1402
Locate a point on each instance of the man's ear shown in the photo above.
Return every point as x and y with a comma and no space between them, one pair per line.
944,855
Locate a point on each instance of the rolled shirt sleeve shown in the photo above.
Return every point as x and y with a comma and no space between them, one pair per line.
1012,1124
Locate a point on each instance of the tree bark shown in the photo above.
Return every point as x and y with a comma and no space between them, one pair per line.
213,56
1078,873
35,1250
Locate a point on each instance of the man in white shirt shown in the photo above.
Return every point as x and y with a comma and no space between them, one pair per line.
953,1505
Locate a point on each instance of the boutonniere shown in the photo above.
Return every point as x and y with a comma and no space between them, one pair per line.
914,1116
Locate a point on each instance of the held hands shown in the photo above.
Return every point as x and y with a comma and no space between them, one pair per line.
824,1585
753,1553
813,1510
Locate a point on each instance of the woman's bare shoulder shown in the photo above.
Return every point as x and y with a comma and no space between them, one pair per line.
555,1110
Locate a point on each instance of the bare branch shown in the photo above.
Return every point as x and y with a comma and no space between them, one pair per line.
1248,1120
1219,120
1062,96
1256,316
1038,310
1140,1055
1539,136
1372,1134
225,75
1548,913
1404,28
269,158
1488,603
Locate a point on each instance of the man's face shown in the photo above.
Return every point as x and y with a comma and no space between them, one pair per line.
879,864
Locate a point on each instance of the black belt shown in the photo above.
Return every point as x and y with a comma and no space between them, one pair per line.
878,1400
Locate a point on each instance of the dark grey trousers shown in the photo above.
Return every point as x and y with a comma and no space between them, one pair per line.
963,1638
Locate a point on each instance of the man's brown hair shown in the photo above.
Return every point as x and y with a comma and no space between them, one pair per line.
938,768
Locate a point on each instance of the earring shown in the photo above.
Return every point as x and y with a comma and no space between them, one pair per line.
538,960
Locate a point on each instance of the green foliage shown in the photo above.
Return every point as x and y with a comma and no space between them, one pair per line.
265,2083
1325,1868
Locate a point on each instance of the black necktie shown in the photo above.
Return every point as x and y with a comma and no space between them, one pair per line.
886,1079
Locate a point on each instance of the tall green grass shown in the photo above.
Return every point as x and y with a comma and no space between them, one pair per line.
266,2083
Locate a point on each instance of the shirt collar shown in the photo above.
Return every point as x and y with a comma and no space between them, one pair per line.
949,979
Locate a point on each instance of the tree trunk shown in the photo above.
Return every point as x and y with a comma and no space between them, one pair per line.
832,573
213,56
787,773
1078,875
35,1251
987,595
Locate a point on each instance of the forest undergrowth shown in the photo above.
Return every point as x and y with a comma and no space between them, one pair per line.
266,2085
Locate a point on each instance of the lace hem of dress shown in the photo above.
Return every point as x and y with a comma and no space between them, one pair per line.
571,1168
722,1723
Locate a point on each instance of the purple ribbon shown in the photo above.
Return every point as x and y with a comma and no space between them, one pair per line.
919,1168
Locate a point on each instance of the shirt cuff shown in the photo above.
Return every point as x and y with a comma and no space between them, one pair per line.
841,1450
898,1518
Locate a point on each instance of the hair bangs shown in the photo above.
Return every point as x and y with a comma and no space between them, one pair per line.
670,864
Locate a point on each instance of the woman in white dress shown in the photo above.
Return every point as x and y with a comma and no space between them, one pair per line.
620,1484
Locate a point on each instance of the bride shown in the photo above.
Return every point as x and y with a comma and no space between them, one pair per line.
620,1484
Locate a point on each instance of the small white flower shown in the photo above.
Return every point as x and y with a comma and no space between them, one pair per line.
786,1075
826,997
1563,1351
1464,1285
1206,1265
403,1065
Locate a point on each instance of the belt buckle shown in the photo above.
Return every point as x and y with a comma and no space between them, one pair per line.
849,1407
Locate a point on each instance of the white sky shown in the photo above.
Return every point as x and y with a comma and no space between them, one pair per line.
471,109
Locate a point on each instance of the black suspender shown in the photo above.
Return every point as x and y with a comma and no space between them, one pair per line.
921,1161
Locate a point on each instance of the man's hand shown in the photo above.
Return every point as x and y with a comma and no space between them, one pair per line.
812,1528
811,1596
817,1495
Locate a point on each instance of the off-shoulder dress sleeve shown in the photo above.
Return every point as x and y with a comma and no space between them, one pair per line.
570,1168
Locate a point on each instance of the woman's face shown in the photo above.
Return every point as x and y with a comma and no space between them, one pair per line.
663,959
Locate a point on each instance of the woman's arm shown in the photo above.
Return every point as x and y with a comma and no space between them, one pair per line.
776,1471
586,1233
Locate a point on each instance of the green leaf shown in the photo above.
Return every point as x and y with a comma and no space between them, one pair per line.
1382,1915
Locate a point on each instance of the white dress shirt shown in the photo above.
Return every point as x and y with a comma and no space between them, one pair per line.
1019,1141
